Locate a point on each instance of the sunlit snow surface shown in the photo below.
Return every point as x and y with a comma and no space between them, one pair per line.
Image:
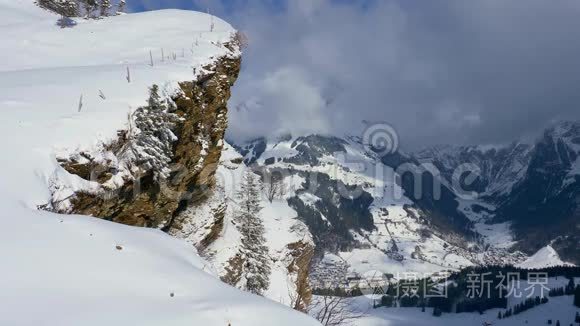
546,256
75,270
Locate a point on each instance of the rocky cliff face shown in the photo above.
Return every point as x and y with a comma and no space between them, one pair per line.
499,168
127,188
544,204
213,227
172,170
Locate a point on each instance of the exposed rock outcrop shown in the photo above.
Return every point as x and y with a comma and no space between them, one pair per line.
302,254
143,197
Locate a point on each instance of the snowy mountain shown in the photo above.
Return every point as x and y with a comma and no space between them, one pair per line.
74,99
122,201
533,187
364,217
544,206
545,257
499,167
361,218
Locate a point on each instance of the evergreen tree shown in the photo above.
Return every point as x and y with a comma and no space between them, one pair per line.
577,319
65,8
154,101
256,267
437,312
121,6
90,7
387,301
152,137
105,6
577,296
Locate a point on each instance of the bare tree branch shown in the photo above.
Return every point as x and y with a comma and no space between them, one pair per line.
334,311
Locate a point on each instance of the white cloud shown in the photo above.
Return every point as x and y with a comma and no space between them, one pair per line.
299,107
507,67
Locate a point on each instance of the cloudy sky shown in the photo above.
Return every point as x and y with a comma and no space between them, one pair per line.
438,71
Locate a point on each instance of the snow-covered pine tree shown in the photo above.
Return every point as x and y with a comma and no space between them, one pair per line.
154,100
90,6
66,8
121,6
249,195
256,266
151,143
105,7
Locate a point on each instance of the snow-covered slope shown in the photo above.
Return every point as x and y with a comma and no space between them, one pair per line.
212,228
48,70
71,270
545,257
557,309
534,189
501,168
357,193
364,223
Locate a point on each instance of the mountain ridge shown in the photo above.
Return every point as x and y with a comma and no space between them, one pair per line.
476,232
